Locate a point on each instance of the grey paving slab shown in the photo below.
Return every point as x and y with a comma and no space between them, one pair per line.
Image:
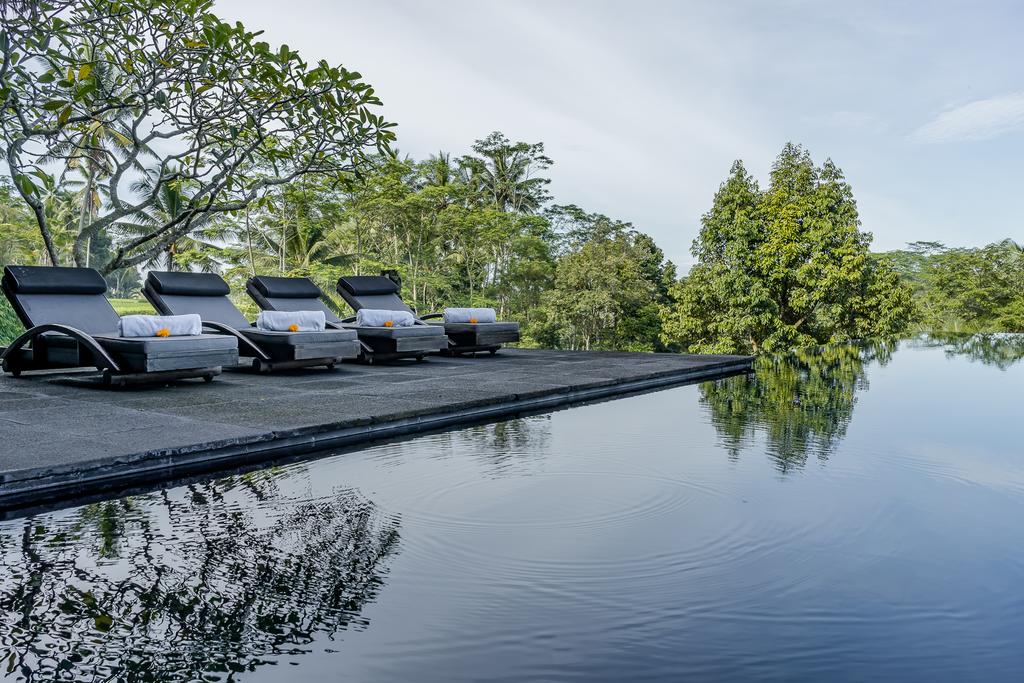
61,436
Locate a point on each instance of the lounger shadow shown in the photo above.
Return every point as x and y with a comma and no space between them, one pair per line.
377,343
71,324
206,294
381,292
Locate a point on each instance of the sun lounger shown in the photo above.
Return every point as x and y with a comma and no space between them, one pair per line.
378,343
71,324
381,292
206,294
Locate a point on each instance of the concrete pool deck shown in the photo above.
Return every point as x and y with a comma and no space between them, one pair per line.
61,437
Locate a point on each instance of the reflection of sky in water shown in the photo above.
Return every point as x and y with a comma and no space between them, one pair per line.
841,517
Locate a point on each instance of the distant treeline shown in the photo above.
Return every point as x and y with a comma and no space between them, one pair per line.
964,290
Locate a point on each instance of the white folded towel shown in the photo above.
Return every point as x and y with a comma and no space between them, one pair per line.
161,325
470,315
291,321
375,317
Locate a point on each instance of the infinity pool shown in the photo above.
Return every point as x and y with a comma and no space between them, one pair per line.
850,513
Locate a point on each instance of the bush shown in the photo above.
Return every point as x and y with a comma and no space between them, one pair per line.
10,326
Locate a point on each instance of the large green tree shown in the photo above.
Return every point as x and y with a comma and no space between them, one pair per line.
784,267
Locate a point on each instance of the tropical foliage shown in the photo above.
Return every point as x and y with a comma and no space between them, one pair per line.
109,88
149,134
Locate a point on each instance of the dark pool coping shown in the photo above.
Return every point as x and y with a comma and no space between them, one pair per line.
33,486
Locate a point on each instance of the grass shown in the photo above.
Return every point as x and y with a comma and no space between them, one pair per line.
132,307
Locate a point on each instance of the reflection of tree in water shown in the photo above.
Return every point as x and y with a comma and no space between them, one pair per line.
1000,349
206,580
802,401
502,444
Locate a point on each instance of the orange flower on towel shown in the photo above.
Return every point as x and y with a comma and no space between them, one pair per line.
388,323
472,321
163,332
293,328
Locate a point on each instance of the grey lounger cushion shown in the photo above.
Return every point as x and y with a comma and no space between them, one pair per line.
416,331
156,346
471,328
269,337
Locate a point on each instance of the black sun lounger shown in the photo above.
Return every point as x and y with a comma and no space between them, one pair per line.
70,324
381,292
378,343
206,294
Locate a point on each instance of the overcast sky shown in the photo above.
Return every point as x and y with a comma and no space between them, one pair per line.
644,105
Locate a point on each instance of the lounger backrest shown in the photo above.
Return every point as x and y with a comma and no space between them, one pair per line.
363,291
288,294
66,296
178,293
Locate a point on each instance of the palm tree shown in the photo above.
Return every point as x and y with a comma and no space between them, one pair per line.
196,250
505,173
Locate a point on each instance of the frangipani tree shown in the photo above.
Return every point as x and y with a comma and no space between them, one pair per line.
218,110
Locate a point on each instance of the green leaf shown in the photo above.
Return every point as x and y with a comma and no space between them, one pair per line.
84,72
26,185
47,77
54,105
64,115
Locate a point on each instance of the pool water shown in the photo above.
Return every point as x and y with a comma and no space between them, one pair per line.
847,513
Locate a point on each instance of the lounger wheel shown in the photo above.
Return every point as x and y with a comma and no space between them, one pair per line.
493,351
369,360
208,377
331,366
420,357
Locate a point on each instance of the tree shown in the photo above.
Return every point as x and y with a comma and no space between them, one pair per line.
232,118
784,267
197,249
504,173
609,284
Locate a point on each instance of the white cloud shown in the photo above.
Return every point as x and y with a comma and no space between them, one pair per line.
978,120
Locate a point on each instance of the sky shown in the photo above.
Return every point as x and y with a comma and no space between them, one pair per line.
644,105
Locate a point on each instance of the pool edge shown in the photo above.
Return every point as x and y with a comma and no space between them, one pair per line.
31,486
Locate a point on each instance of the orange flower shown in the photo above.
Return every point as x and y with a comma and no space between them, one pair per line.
163,332
472,321
293,328
388,323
